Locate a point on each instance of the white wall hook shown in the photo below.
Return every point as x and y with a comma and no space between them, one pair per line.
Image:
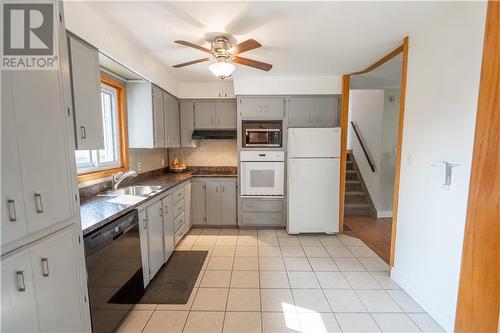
448,166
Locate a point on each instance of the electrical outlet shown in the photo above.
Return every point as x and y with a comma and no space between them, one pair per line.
162,162
139,166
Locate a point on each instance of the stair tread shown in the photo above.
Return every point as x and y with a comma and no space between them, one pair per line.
350,181
357,205
352,171
355,193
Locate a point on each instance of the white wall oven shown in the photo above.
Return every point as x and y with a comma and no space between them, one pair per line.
262,134
262,173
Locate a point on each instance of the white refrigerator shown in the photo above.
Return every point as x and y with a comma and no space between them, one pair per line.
313,172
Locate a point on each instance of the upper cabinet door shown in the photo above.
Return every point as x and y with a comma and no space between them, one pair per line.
326,112
204,114
225,114
43,146
86,87
301,112
261,107
186,109
19,312
168,118
58,292
14,225
175,129
158,118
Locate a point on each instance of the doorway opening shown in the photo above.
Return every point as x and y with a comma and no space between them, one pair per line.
372,118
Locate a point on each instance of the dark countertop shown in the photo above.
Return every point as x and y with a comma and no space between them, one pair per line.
96,211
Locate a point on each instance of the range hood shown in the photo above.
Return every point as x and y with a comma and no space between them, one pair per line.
213,134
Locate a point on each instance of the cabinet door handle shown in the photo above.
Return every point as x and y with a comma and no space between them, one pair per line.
218,121
145,223
216,188
20,281
161,212
45,267
38,203
259,109
165,209
83,132
223,188
12,210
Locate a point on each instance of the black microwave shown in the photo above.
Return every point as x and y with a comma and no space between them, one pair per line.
262,134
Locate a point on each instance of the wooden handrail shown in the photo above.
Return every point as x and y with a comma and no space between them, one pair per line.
363,146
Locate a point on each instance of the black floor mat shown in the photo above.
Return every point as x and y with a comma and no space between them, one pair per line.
175,280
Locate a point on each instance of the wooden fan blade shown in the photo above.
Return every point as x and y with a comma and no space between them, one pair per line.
247,45
191,62
188,44
252,63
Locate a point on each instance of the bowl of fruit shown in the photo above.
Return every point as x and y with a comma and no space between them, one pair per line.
176,165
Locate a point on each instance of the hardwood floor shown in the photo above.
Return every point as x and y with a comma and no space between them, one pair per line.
375,233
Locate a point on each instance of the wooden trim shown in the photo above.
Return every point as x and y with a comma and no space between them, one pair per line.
382,61
122,130
479,291
343,147
395,200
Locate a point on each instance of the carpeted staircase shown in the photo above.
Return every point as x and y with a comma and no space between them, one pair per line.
357,198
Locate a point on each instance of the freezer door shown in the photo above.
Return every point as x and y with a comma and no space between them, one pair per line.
314,142
313,195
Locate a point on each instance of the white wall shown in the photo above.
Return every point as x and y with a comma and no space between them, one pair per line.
366,109
99,31
441,103
287,85
217,89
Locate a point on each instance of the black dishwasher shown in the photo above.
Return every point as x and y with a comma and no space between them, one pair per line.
114,268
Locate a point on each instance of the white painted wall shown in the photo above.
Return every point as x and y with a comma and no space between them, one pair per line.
366,109
287,85
82,20
211,89
441,103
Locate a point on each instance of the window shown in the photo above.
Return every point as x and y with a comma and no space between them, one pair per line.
94,164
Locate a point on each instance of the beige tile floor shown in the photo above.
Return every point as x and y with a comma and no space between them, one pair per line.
264,280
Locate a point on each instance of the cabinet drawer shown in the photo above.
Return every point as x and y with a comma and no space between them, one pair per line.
179,234
179,221
261,219
179,194
179,208
254,205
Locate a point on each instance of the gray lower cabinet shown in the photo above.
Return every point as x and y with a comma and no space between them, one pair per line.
213,201
86,91
313,111
261,107
155,238
40,288
168,227
198,202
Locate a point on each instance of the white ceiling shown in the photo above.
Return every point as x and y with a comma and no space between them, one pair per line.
298,38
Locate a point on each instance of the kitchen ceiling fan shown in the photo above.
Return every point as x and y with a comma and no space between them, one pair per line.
224,54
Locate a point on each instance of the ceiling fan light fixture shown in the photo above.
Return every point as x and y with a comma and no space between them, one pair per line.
222,69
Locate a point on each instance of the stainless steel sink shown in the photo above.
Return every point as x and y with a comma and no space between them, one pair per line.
141,191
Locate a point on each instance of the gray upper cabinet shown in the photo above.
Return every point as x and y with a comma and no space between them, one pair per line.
313,111
186,110
215,114
153,116
158,118
261,107
225,114
86,89
204,114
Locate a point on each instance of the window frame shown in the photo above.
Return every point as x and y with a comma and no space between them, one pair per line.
121,109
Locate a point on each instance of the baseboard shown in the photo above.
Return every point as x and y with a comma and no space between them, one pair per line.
386,214
443,318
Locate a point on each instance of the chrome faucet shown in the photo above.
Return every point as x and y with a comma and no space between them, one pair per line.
117,178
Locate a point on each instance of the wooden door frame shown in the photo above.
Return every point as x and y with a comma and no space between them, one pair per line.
479,290
402,49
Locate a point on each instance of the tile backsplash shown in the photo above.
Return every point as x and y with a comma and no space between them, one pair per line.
208,153
144,160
